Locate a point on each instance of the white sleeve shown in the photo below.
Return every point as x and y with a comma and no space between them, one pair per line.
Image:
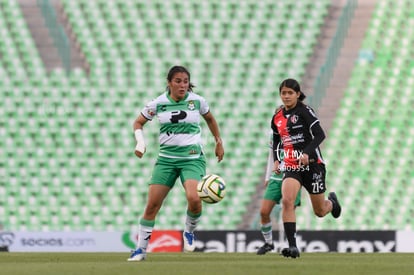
150,110
270,164
204,107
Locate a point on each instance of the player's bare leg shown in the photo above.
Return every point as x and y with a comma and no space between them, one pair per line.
193,214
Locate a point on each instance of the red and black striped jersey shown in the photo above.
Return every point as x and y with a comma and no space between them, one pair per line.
299,131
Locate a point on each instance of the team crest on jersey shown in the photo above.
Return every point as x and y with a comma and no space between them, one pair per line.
294,119
191,105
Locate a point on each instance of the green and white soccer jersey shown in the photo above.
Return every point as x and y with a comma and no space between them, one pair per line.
180,131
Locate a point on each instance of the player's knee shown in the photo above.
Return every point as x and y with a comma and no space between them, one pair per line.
288,203
193,199
264,214
194,204
152,209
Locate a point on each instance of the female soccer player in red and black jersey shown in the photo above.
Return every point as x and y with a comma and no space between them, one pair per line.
297,127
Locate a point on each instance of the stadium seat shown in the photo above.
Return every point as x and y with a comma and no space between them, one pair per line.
368,163
77,127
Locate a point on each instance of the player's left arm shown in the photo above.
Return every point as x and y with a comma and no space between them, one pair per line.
315,130
215,131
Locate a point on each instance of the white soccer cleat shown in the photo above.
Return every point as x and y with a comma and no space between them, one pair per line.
188,238
137,255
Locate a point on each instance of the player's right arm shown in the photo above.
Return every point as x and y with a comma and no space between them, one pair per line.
148,113
275,149
139,123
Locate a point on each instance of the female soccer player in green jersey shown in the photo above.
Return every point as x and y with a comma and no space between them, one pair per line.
179,111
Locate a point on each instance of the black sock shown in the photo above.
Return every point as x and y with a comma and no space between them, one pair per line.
290,231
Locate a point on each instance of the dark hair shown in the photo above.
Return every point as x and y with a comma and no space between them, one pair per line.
294,85
179,69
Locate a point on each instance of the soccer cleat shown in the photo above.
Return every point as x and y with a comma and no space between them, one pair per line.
137,255
188,238
336,207
265,248
292,252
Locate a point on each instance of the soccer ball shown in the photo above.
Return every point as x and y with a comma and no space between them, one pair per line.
211,188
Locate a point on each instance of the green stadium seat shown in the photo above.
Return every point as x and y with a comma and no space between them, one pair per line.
79,154
377,180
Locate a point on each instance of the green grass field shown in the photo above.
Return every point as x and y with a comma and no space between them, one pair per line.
205,263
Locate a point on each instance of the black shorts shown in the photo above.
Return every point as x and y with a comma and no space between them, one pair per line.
313,179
